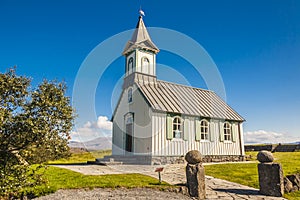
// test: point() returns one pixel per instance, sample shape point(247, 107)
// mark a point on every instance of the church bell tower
point(140, 52)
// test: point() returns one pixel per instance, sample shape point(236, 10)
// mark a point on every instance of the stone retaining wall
point(274, 147)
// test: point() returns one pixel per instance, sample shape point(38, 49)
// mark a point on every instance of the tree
point(35, 126)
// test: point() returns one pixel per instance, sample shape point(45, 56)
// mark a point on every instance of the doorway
point(129, 133)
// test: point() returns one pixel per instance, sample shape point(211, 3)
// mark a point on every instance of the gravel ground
point(113, 194)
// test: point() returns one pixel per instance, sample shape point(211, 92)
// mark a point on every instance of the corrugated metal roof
point(175, 98)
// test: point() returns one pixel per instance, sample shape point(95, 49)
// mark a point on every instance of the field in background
point(81, 156)
point(247, 173)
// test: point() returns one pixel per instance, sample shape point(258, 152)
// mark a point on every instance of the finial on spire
point(141, 12)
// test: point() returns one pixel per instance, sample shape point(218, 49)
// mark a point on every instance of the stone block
point(193, 157)
point(265, 156)
point(195, 175)
point(271, 179)
point(288, 185)
point(295, 179)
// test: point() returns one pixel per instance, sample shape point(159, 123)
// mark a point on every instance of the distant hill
point(100, 143)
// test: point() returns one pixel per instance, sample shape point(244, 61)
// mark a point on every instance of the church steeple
point(140, 39)
point(140, 51)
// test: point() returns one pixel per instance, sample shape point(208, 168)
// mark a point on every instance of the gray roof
point(174, 98)
point(140, 39)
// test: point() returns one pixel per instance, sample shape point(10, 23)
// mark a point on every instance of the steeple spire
point(141, 12)
point(140, 38)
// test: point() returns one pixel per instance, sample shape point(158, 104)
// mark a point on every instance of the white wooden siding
point(177, 147)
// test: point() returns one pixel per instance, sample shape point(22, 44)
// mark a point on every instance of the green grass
point(82, 157)
point(59, 178)
point(243, 173)
point(247, 174)
point(66, 179)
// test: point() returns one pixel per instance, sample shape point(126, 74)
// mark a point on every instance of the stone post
point(195, 174)
point(270, 175)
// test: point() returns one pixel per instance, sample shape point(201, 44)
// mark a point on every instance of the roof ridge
point(188, 86)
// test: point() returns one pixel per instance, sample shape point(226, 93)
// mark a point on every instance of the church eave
point(130, 47)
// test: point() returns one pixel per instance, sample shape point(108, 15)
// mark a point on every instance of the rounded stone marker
point(265, 156)
point(193, 157)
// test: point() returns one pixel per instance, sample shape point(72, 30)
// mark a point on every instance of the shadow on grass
point(239, 191)
point(81, 163)
point(160, 184)
point(181, 184)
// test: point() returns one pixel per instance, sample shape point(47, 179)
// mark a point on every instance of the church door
point(129, 137)
point(129, 133)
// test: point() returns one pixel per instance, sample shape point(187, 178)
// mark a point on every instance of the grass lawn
point(247, 174)
point(59, 178)
point(243, 173)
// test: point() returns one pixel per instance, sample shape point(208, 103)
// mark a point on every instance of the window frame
point(204, 135)
point(144, 65)
point(227, 128)
point(129, 95)
point(179, 127)
point(130, 63)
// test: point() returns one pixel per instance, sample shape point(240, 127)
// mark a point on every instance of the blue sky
point(254, 43)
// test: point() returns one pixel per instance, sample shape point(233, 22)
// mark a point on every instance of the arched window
point(204, 129)
point(129, 118)
point(177, 127)
point(145, 65)
point(130, 65)
point(227, 131)
point(129, 95)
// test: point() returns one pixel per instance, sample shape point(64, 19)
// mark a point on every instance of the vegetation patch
point(59, 178)
point(247, 173)
point(82, 157)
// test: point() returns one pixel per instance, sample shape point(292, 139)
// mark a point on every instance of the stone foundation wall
point(162, 160)
point(223, 158)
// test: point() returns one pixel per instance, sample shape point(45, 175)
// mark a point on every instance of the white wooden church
point(159, 122)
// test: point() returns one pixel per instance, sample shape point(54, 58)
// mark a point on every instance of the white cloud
point(91, 130)
point(262, 136)
point(103, 123)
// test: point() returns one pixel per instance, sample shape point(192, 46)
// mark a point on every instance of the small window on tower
point(145, 65)
point(129, 95)
point(130, 65)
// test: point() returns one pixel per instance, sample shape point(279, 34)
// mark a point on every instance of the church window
point(227, 131)
point(204, 129)
point(145, 65)
point(130, 65)
point(177, 127)
point(129, 95)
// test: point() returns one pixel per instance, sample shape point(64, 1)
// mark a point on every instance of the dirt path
point(120, 193)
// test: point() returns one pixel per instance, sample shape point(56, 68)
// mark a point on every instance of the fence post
point(195, 174)
point(270, 175)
